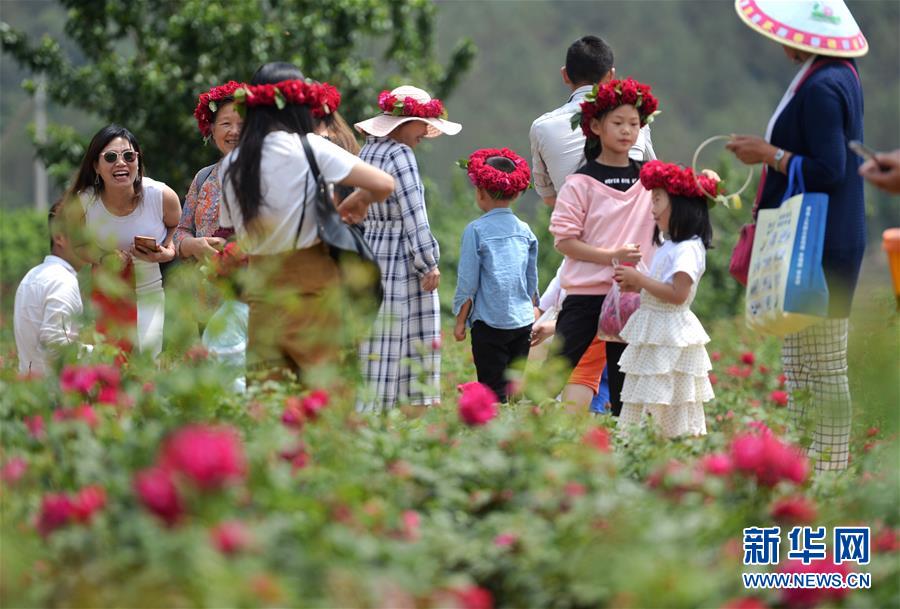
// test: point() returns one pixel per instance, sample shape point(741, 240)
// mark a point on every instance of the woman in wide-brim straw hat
point(821, 111)
point(401, 360)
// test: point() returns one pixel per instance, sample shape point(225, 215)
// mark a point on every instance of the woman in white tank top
point(121, 204)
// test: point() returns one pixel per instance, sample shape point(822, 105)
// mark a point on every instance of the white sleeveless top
point(112, 232)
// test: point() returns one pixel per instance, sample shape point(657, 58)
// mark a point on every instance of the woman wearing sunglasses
point(129, 220)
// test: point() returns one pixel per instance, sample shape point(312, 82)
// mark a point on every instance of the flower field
point(140, 487)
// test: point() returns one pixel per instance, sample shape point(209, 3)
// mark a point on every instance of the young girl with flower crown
point(665, 363)
point(602, 215)
point(497, 284)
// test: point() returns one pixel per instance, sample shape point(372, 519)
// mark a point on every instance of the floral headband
point(680, 181)
point(322, 98)
point(409, 106)
point(611, 95)
point(493, 180)
point(208, 105)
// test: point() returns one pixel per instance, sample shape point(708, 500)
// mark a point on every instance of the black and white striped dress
point(401, 359)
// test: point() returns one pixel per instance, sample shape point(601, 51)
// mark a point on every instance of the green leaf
point(280, 102)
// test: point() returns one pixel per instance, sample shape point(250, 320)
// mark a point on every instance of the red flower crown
point(493, 180)
point(322, 98)
point(611, 95)
point(208, 105)
point(678, 181)
point(409, 106)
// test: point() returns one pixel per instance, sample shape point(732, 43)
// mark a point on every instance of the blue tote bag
point(786, 289)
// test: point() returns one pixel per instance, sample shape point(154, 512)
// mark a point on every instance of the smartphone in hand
point(864, 152)
point(146, 243)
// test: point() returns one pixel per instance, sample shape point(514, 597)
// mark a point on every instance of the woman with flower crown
point(219, 121)
point(401, 360)
point(293, 286)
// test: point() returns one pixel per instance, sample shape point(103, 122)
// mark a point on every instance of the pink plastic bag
point(618, 306)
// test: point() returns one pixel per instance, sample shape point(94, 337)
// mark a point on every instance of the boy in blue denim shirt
point(497, 284)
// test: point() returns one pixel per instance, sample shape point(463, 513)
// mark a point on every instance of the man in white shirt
point(48, 302)
point(558, 150)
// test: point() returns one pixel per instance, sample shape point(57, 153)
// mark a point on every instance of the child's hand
point(431, 280)
point(630, 252)
point(709, 173)
point(628, 278)
point(459, 332)
point(541, 332)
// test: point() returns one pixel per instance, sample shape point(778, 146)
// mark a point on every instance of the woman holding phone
point(819, 114)
point(129, 220)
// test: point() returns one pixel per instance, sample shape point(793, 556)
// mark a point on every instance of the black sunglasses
point(110, 156)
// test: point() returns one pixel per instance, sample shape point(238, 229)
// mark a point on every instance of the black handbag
point(346, 242)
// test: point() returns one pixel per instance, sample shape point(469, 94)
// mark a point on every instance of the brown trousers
point(295, 311)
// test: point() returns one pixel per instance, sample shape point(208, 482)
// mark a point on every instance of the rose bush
point(179, 492)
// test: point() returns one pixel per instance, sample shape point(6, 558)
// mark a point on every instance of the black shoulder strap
point(314, 170)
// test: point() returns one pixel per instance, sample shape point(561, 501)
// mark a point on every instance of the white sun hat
point(405, 104)
point(821, 27)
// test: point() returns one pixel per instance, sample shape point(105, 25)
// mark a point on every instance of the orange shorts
point(590, 366)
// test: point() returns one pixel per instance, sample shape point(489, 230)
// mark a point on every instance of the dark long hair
point(689, 218)
point(87, 177)
point(258, 123)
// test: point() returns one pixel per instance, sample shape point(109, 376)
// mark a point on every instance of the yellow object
point(891, 245)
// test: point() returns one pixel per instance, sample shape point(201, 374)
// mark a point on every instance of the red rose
point(208, 456)
point(717, 464)
point(768, 459)
point(56, 512)
point(793, 510)
point(477, 404)
point(156, 490)
point(748, 358)
point(780, 398)
point(90, 499)
point(806, 598)
point(314, 402)
point(35, 426)
point(78, 379)
point(230, 537)
point(713, 378)
point(297, 456)
point(886, 541)
point(597, 437)
point(474, 597)
point(293, 413)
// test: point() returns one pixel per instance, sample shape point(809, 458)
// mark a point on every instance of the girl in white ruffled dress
point(665, 364)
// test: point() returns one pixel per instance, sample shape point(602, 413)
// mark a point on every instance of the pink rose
point(208, 456)
point(293, 413)
point(505, 540)
point(780, 398)
point(35, 426)
point(410, 524)
point(13, 470)
point(314, 402)
point(56, 512)
point(473, 597)
point(89, 500)
point(717, 464)
point(806, 598)
point(477, 404)
point(230, 537)
point(793, 510)
point(156, 490)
